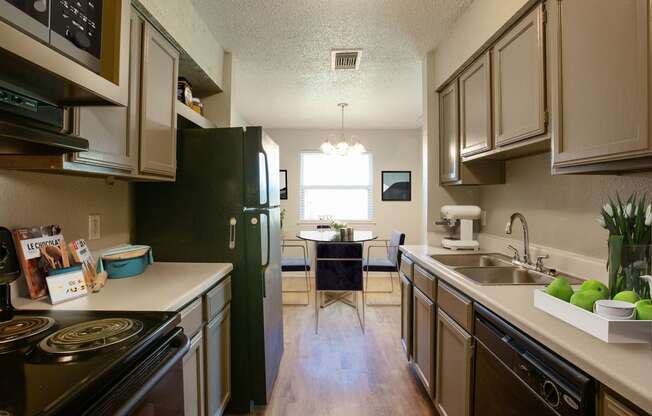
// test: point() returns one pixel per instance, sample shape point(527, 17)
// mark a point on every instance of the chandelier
point(340, 144)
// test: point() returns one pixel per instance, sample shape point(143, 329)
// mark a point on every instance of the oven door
point(154, 388)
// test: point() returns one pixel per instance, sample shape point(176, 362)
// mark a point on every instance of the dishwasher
point(516, 376)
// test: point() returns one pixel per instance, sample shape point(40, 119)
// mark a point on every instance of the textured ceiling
point(283, 79)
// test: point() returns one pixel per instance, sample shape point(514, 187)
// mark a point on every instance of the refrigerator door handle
point(232, 223)
point(267, 254)
point(264, 153)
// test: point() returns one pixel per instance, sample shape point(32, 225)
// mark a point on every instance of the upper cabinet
point(449, 135)
point(600, 85)
point(518, 81)
point(475, 107)
point(158, 124)
point(46, 51)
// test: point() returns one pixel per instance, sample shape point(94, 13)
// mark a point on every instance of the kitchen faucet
point(526, 262)
point(526, 235)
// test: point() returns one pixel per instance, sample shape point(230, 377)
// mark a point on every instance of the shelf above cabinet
point(194, 117)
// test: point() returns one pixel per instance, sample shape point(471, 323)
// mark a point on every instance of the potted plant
point(628, 223)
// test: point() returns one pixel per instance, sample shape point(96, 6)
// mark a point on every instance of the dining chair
point(390, 263)
point(338, 268)
point(297, 264)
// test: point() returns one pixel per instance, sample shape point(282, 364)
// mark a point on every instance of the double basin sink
point(494, 269)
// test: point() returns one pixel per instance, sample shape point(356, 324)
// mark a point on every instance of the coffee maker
point(458, 219)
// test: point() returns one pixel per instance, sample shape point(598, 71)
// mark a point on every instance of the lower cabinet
point(610, 405)
point(454, 379)
point(193, 377)
point(406, 315)
point(423, 348)
point(218, 362)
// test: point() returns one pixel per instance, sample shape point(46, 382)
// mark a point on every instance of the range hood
point(30, 125)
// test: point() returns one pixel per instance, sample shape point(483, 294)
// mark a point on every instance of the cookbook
point(29, 244)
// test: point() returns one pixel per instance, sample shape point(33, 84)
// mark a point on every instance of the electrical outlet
point(94, 226)
point(483, 218)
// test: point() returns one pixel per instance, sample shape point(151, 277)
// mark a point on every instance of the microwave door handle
point(180, 344)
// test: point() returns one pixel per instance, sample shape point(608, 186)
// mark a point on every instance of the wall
point(561, 210)
point(31, 199)
point(391, 149)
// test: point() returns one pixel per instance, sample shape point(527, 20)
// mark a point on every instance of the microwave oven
point(72, 27)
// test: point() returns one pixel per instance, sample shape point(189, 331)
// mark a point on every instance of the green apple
point(560, 288)
point(586, 298)
point(627, 296)
point(597, 286)
point(644, 309)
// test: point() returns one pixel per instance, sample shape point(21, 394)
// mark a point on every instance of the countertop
point(163, 287)
point(625, 368)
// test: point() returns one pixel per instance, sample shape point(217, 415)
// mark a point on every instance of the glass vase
point(626, 263)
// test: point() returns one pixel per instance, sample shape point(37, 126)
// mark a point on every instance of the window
point(336, 186)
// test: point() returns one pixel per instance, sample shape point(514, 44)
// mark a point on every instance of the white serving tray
point(611, 331)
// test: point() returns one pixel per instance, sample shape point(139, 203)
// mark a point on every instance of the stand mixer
point(459, 220)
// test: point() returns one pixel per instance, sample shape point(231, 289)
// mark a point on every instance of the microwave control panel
point(80, 22)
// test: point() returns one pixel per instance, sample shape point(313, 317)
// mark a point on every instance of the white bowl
point(614, 309)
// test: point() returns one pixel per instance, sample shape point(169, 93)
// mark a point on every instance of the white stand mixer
point(465, 214)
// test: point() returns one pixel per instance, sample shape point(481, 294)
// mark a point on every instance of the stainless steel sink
point(508, 276)
point(473, 260)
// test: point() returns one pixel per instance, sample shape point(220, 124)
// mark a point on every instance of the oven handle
point(179, 342)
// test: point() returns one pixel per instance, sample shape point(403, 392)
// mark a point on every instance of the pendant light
point(341, 145)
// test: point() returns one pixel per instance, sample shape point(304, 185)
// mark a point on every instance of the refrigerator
point(225, 207)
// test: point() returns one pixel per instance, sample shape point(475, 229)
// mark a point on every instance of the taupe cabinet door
point(218, 362)
point(112, 132)
point(611, 406)
point(449, 151)
point(475, 107)
point(406, 315)
point(454, 367)
point(518, 81)
point(424, 339)
point(158, 136)
point(599, 80)
point(193, 377)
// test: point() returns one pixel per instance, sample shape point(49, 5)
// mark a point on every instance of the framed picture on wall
point(283, 183)
point(397, 185)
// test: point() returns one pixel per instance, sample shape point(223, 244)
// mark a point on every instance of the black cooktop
point(66, 363)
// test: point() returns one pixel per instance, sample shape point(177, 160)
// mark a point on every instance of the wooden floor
point(341, 371)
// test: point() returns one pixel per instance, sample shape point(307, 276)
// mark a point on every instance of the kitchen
point(471, 117)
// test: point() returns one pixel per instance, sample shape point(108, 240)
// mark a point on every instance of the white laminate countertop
point(163, 287)
point(625, 368)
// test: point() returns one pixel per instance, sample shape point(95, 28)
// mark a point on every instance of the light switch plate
point(94, 226)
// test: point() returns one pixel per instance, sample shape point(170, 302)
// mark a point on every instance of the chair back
point(396, 238)
point(339, 266)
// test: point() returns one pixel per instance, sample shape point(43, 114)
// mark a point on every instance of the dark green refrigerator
point(224, 207)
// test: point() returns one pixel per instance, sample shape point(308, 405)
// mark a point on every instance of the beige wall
point(561, 210)
point(391, 149)
point(30, 199)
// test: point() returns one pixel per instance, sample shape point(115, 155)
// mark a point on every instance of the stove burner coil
point(92, 335)
point(23, 327)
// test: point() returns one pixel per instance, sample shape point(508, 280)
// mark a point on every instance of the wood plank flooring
point(341, 371)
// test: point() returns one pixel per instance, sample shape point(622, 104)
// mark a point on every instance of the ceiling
point(282, 76)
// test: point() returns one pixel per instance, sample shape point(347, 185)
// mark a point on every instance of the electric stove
point(77, 362)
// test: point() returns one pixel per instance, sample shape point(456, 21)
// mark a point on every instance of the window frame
point(369, 188)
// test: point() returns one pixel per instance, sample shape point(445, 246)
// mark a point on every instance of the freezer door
point(262, 189)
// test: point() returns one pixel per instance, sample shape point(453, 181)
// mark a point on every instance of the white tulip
point(608, 210)
point(628, 210)
point(648, 210)
point(601, 222)
point(648, 219)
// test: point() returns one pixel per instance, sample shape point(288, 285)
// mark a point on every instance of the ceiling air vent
point(345, 59)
